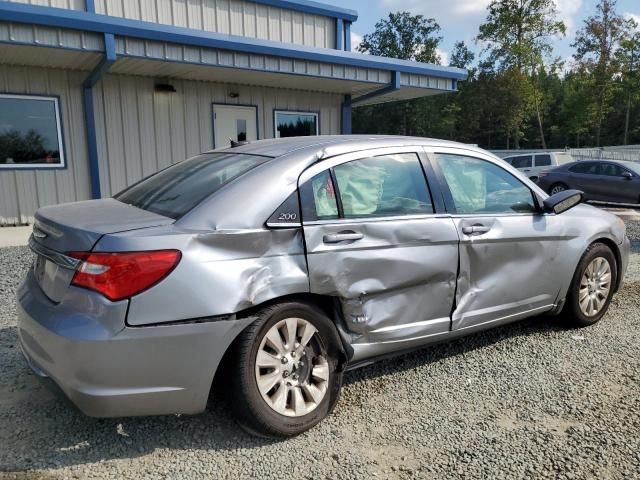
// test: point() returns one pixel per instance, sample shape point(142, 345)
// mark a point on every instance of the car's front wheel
point(286, 377)
point(592, 286)
point(557, 188)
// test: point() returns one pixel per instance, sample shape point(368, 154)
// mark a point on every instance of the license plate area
point(53, 279)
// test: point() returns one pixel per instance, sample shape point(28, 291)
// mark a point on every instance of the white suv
point(532, 164)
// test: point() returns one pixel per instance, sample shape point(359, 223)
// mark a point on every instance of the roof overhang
point(145, 48)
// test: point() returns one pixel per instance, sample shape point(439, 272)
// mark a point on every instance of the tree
point(518, 36)
point(408, 37)
point(628, 57)
point(461, 56)
point(404, 36)
point(596, 43)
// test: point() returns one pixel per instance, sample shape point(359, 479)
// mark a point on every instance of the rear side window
point(386, 185)
point(318, 198)
point(174, 191)
point(521, 162)
point(586, 168)
point(543, 160)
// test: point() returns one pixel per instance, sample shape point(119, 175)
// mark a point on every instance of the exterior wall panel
point(234, 17)
point(141, 131)
point(22, 192)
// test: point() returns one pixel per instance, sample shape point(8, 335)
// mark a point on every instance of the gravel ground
point(528, 400)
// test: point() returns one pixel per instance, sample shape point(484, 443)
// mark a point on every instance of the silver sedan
point(282, 263)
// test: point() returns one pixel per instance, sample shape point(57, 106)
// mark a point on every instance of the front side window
point(522, 162)
point(479, 187)
point(174, 191)
point(30, 132)
point(295, 124)
point(611, 170)
point(386, 185)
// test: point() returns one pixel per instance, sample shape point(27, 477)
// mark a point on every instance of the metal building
point(96, 94)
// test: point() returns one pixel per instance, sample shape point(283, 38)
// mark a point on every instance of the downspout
point(89, 109)
point(394, 86)
point(346, 115)
point(339, 34)
point(347, 36)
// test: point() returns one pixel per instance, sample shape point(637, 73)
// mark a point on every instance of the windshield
point(174, 191)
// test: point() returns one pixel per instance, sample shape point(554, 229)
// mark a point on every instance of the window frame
point(59, 131)
point(433, 188)
point(448, 197)
point(276, 111)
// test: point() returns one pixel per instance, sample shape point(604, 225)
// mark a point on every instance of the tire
point(557, 188)
point(593, 258)
point(261, 410)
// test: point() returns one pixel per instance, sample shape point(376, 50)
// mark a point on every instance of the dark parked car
point(601, 181)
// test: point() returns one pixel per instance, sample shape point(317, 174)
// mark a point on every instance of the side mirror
point(627, 175)
point(563, 201)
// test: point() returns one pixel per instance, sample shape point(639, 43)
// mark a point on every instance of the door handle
point(475, 230)
point(345, 236)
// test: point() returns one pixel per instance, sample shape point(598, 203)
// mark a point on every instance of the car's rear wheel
point(286, 378)
point(592, 286)
point(557, 188)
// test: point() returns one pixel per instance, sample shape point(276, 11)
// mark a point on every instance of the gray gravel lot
point(532, 399)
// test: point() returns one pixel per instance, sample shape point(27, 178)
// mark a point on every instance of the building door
point(232, 122)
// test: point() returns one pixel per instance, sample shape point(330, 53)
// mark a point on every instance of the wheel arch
point(329, 305)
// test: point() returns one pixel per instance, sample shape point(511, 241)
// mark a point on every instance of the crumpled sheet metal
point(401, 272)
point(221, 273)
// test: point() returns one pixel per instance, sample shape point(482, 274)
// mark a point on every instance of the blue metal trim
point(346, 128)
point(394, 86)
point(89, 111)
point(90, 6)
point(339, 34)
point(78, 20)
point(347, 36)
point(309, 6)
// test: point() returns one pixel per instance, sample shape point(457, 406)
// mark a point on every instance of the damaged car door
point(510, 252)
point(375, 241)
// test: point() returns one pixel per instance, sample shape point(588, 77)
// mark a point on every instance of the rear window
point(563, 158)
point(174, 191)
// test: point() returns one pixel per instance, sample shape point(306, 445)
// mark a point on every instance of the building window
point(30, 132)
point(295, 124)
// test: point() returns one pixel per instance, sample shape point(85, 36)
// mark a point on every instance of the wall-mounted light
point(234, 94)
point(164, 88)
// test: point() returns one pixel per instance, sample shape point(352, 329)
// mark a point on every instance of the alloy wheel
point(595, 285)
point(291, 368)
point(557, 189)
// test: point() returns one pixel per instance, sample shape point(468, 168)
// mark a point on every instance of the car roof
point(335, 144)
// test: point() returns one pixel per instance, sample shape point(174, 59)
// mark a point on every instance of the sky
point(459, 19)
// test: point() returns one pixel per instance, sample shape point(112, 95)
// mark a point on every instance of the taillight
point(123, 275)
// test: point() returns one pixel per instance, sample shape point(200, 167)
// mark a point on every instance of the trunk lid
point(77, 227)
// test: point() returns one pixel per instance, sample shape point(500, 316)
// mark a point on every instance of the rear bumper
point(108, 370)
